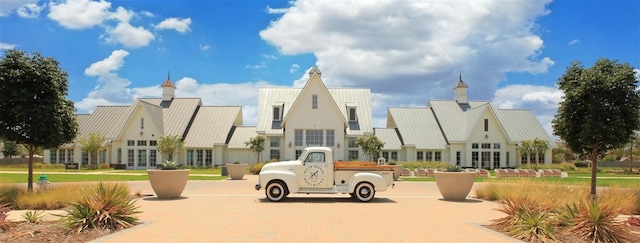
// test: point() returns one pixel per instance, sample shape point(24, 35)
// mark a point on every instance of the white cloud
point(205, 47)
point(294, 68)
point(112, 63)
point(272, 57)
point(29, 11)
point(122, 15)
point(147, 14)
point(541, 100)
point(7, 46)
point(260, 65)
point(574, 42)
point(180, 25)
point(414, 49)
point(7, 6)
point(128, 35)
point(275, 10)
point(79, 14)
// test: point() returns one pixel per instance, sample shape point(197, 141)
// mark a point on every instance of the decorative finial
point(169, 75)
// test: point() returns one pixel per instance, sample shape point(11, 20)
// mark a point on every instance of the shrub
point(526, 219)
point(56, 197)
point(453, 168)
point(595, 222)
point(105, 165)
point(170, 165)
point(33, 217)
point(256, 168)
point(5, 208)
point(110, 206)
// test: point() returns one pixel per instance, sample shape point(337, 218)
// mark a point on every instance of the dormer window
point(277, 112)
point(352, 115)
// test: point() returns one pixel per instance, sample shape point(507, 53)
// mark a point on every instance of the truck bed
point(361, 166)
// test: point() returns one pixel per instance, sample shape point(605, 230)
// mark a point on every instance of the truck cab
point(316, 172)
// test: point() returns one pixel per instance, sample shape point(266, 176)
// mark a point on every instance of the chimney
point(168, 89)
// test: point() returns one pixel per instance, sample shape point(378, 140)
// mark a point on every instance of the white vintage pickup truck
point(315, 172)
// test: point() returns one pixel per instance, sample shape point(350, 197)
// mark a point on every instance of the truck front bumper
point(258, 187)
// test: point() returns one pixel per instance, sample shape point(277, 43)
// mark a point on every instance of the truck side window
point(315, 157)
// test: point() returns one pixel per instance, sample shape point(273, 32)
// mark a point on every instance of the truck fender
point(378, 182)
point(288, 177)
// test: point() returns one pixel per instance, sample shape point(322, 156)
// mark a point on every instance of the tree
point(256, 144)
point(10, 149)
point(34, 110)
point(370, 145)
point(92, 144)
point(168, 145)
point(600, 110)
point(526, 149)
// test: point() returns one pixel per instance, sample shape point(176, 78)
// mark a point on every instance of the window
point(63, 157)
point(275, 154)
point(200, 157)
point(486, 146)
point(298, 138)
point(486, 159)
point(486, 125)
point(315, 157)
point(474, 146)
point(331, 134)
point(352, 115)
point(385, 154)
point(119, 156)
point(153, 143)
point(496, 146)
point(314, 102)
point(394, 156)
point(438, 156)
point(419, 156)
point(141, 123)
point(458, 158)
point(508, 159)
point(142, 142)
point(274, 142)
point(428, 156)
point(298, 153)
point(131, 143)
point(153, 158)
point(85, 158)
point(314, 137)
point(353, 155)
point(190, 157)
point(53, 155)
point(142, 157)
point(352, 143)
point(496, 159)
point(208, 157)
point(130, 157)
point(474, 159)
point(70, 155)
point(276, 113)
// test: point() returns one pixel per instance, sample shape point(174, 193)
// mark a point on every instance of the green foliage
point(34, 110)
point(600, 110)
point(33, 217)
point(237, 162)
point(168, 145)
point(453, 168)
point(10, 149)
point(170, 165)
point(411, 165)
point(92, 144)
point(256, 168)
point(256, 144)
point(391, 162)
point(526, 219)
point(110, 206)
point(595, 222)
point(5, 208)
point(370, 145)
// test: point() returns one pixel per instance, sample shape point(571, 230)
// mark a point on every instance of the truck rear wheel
point(364, 192)
point(275, 191)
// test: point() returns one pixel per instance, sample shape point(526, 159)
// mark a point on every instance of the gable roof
point(418, 127)
point(212, 125)
point(521, 125)
point(105, 120)
point(390, 138)
point(240, 135)
point(452, 117)
point(176, 113)
point(314, 79)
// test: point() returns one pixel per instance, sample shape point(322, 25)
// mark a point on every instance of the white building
point(467, 133)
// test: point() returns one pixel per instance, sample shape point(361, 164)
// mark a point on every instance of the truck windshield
point(303, 155)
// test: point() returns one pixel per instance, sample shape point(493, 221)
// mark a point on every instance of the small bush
point(256, 168)
point(105, 165)
point(526, 219)
point(56, 197)
point(170, 165)
point(595, 222)
point(5, 208)
point(110, 206)
point(33, 217)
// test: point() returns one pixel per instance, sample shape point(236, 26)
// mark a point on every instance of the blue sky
point(406, 52)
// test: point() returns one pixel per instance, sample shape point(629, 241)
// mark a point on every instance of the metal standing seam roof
point(389, 137)
point(240, 135)
point(418, 127)
point(472, 117)
point(521, 125)
point(452, 118)
point(287, 96)
point(155, 113)
point(105, 120)
point(212, 125)
point(176, 114)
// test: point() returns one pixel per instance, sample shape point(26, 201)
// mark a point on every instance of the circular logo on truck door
point(314, 175)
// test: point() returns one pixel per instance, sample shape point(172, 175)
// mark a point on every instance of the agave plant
point(526, 219)
point(170, 165)
point(33, 217)
point(453, 168)
point(110, 207)
point(595, 222)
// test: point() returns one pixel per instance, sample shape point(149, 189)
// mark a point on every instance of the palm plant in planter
point(454, 184)
point(237, 170)
point(168, 181)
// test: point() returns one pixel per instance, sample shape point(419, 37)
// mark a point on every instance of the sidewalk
point(232, 211)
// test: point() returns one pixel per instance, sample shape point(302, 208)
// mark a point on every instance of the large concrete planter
point(236, 171)
point(454, 186)
point(397, 171)
point(168, 184)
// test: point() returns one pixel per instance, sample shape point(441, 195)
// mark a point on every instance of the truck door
point(315, 171)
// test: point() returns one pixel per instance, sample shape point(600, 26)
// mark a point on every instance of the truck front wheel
point(364, 192)
point(275, 191)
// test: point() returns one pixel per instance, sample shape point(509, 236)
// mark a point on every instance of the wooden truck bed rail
point(361, 165)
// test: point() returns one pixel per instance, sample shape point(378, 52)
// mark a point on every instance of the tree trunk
point(30, 180)
point(594, 165)
point(631, 162)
